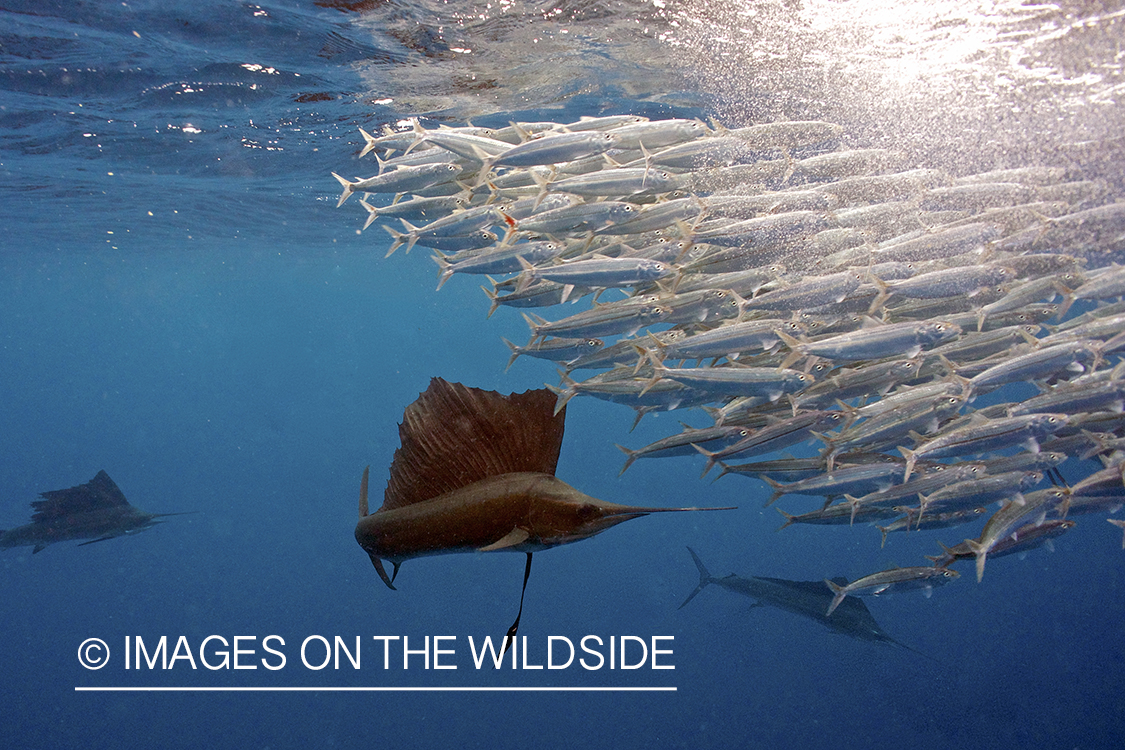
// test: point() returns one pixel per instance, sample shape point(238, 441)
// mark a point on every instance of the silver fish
point(605, 320)
point(874, 342)
point(932, 521)
point(778, 435)
point(1011, 517)
point(551, 148)
point(890, 582)
point(554, 350)
point(603, 272)
point(402, 180)
point(684, 443)
point(1038, 364)
point(583, 217)
point(985, 436)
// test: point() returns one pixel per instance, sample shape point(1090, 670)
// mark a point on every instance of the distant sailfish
point(805, 598)
point(476, 473)
point(96, 511)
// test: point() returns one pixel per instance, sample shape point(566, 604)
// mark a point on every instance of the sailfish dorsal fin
point(100, 493)
point(454, 435)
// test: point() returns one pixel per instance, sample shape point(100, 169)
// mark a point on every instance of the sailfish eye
point(587, 512)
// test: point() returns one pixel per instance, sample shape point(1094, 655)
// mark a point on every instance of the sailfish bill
point(476, 473)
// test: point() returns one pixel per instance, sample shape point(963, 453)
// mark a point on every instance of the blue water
point(182, 306)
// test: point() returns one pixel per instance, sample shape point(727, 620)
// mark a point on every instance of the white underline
point(331, 689)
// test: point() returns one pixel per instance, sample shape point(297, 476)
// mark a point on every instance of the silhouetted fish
point(96, 511)
point(806, 598)
point(476, 473)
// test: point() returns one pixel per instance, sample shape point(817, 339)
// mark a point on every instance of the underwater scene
point(797, 326)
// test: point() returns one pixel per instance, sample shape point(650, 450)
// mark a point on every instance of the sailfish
point(475, 472)
point(96, 510)
point(806, 598)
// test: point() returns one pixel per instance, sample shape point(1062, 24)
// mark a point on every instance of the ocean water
point(182, 306)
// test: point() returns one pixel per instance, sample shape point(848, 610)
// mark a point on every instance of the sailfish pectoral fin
point(510, 636)
point(513, 538)
point(378, 563)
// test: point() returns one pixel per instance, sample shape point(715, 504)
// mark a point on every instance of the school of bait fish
point(800, 293)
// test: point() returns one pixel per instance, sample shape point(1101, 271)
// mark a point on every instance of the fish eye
point(586, 512)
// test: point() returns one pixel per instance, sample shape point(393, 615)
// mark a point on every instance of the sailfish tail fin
point(704, 577)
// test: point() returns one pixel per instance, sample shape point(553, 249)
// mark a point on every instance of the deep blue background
point(189, 312)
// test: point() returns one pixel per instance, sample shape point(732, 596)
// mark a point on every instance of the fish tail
point(923, 501)
point(641, 412)
point(526, 276)
point(565, 392)
point(711, 460)
point(715, 413)
point(370, 141)
point(445, 273)
point(789, 519)
point(544, 184)
point(419, 136)
point(777, 487)
point(535, 323)
point(726, 470)
point(347, 189)
point(881, 297)
point(981, 552)
point(494, 298)
point(412, 233)
point(399, 238)
point(382, 162)
point(515, 353)
point(943, 561)
point(486, 163)
point(909, 456)
point(372, 213)
point(839, 591)
point(1068, 300)
point(631, 456)
point(704, 578)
